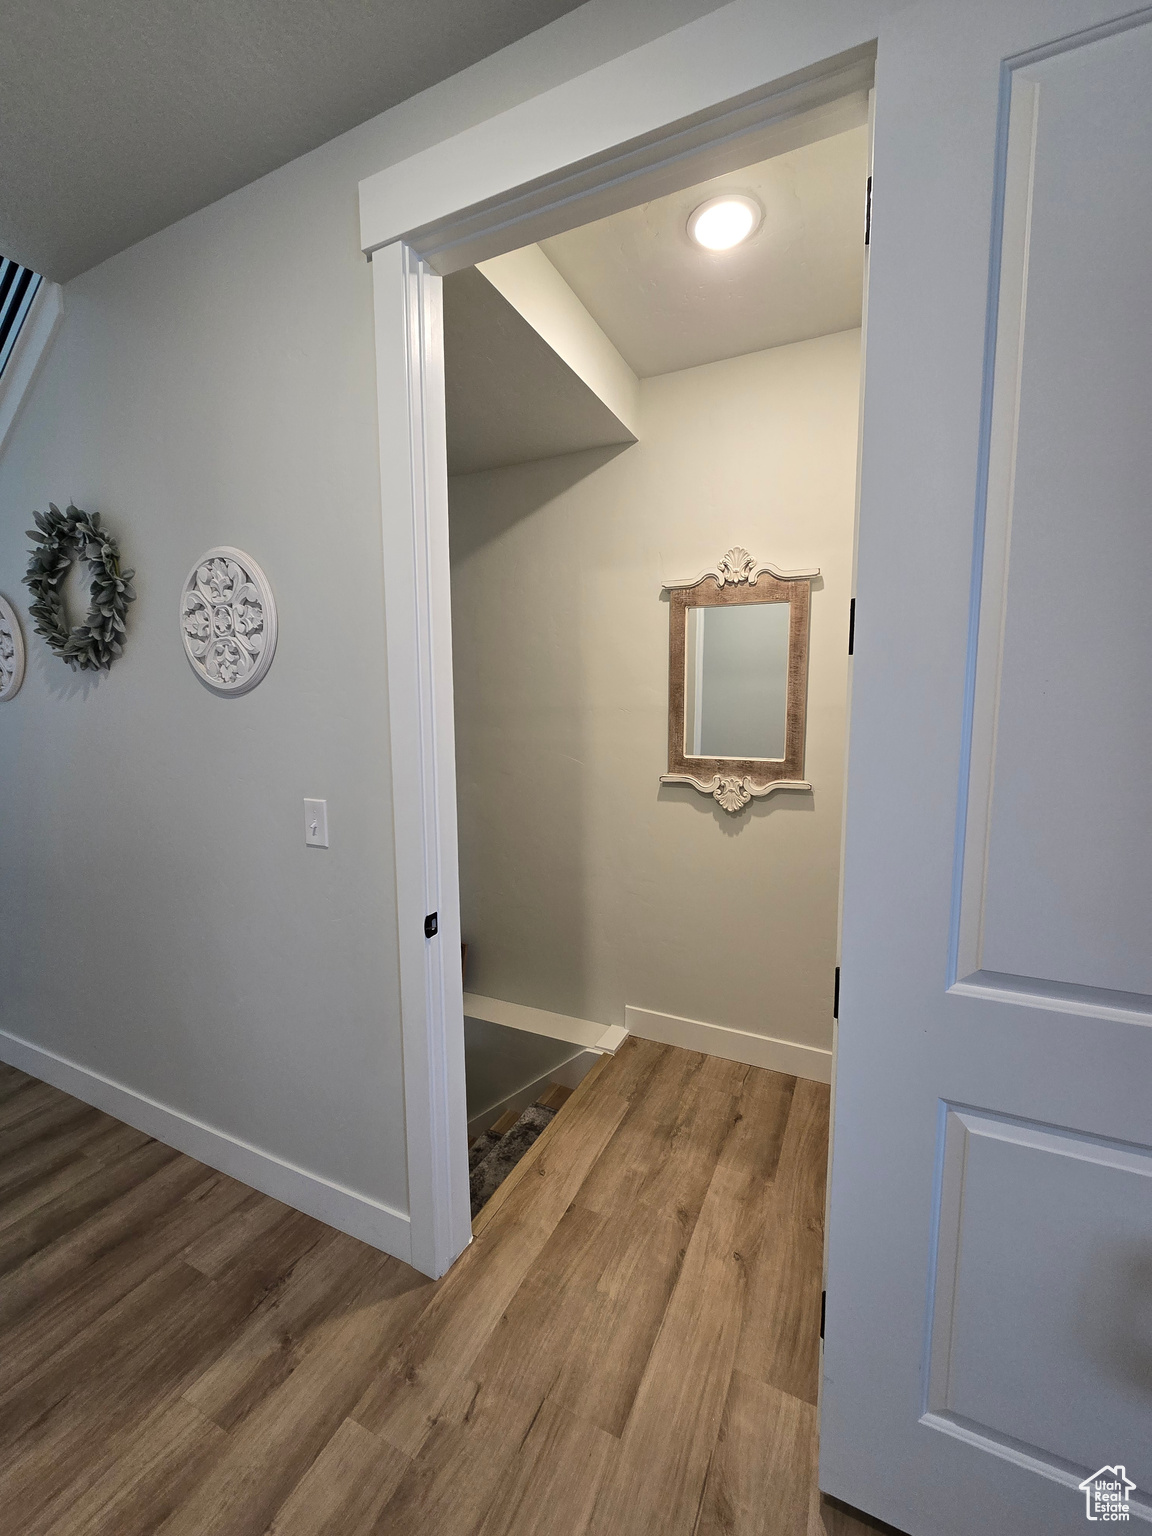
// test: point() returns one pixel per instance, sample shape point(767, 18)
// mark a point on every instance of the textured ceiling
point(667, 304)
point(119, 117)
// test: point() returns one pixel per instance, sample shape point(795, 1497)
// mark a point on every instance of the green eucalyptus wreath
point(61, 538)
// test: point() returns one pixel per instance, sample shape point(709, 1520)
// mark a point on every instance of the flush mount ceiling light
point(724, 221)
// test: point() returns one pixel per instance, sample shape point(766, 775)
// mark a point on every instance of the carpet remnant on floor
point(492, 1157)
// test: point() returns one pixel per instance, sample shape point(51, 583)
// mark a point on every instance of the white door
point(989, 1309)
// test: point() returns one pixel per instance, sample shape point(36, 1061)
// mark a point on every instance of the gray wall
point(585, 884)
point(161, 922)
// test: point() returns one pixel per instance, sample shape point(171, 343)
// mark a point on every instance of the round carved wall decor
point(228, 621)
point(11, 652)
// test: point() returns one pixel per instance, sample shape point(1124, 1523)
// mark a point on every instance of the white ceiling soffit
point(510, 398)
point(118, 119)
point(532, 285)
point(667, 304)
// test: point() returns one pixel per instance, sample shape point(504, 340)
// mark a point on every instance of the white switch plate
point(316, 823)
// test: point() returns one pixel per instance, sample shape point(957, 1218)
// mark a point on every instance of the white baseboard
point(732, 1044)
point(359, 1215)
point(538, 1021)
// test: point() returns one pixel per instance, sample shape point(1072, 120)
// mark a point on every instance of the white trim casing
point(346, 1209)
point(602, 1038)
point(652, 121)
point(418, 622)
point(40, 326)
point(669, 112)
point(732, 1044)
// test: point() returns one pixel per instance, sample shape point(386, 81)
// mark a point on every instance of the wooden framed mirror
point(738, 680)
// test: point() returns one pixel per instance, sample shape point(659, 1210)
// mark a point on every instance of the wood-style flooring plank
point(581, 1326)
point(761, 1470)
point(831, 1518)
point(67, 1258)
point(344, 1490)
point(627, 1346)
point(84, 1133)
point(244, 1224)
point(31, 1097)
point(11, 1081)
point(627, 1072)
point(58, 1217)
point(655, 1484)
point(534, 1334)
point(672, 1136)
point(583, 1321)
point(667, 1143)
point(780, 1334)
point(284, 1328)
point(599, 1374)
point(57, 1421)
point(463, 1460)
point(137, 1481)
point(54, 1294)
point(279, 1438)
point(550, 1484)
point(99, 1145)
point(437, 1356)
point(36, 1115)
point(88, 1399)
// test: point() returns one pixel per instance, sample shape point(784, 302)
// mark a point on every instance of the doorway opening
point(627, 408)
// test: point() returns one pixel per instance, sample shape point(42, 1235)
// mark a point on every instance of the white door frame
point(628, 131)
point(418, 629)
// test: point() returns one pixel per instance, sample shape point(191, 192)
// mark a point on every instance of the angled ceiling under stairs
point(545, 347)
point(511, 397)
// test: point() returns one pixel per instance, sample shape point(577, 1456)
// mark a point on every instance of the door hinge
point(868, 214)
point(823, 1310)
point(836, 995)
point(852, 627)
point(432, 925)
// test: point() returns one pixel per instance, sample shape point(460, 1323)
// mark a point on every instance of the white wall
point(162, 923)
point(586, 885)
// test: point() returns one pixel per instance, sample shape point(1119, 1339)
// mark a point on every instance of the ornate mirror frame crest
point(734, 781)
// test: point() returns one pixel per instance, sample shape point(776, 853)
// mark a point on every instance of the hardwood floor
point(630, 1345)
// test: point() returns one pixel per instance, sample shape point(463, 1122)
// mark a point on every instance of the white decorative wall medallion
point(228, 620)
point(11, 652)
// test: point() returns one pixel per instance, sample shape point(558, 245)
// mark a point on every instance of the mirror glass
point(736, 680)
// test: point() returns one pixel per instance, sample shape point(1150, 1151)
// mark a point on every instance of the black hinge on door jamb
point(823, 1310)
point(836, 995)
point(432, 925)
point(852, 627)
point(868, 214)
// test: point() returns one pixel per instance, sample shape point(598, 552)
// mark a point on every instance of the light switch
point(316, 823)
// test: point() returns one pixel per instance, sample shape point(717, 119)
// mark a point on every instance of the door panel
point(1042, 1343)
point(1068, 880)
point(989, 1272)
